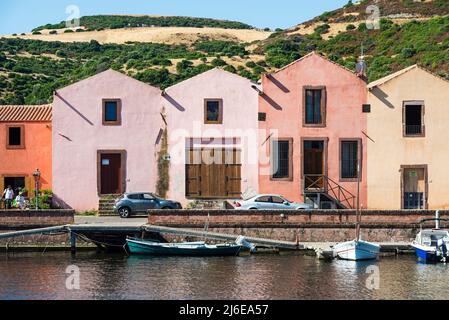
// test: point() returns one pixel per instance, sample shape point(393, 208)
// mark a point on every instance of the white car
point(270, 202)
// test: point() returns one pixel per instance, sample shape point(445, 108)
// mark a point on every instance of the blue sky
point(18, 16)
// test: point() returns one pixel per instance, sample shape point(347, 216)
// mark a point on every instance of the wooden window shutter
point(29, 185)
point(234, 174)
point(323, 105)
point(193, 173)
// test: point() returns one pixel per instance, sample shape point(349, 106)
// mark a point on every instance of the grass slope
point(101, 22)
point(30, 70)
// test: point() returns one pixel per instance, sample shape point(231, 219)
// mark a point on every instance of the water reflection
point(36, 276)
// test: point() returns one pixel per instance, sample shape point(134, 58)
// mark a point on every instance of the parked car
point(139, 202)
point(270, 202)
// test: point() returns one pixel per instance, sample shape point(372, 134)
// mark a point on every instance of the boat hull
point(357, 250)
point(427, 254)
point(155, 249)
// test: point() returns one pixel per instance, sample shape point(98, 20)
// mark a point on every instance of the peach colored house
point(408, 147)
point(313, 133)
point(213, 137)
point(106, 132)
point(25, 137)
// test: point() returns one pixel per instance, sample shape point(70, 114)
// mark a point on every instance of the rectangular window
point(15, 137)
point(413, 119)
point(112, 112)
point(366, 108)
point(314, 106)
point(213, 111)
point(349, 159)
point(262, 116)
point(282, 159)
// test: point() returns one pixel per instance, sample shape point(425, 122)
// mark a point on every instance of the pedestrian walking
point(8, 194)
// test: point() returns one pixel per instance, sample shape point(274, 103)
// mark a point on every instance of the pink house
point(213, 137)
point(106, 132)
point(313, 133)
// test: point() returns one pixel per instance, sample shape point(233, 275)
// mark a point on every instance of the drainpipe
point(437, 221)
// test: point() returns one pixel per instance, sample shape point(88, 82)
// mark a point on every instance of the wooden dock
point(224, 237)
point(21, 233)
point(114, 234)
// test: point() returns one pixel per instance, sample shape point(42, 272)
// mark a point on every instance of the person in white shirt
point(20, 201)
point(8, 194)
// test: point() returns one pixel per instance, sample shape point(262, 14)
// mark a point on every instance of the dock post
point(72, 243)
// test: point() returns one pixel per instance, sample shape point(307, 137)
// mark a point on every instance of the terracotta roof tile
point(41, 113)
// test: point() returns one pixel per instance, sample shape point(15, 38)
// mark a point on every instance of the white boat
point(431, 245)
point(356, 250)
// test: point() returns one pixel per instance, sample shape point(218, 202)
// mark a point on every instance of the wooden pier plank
point(223, 236)
point(21, 233)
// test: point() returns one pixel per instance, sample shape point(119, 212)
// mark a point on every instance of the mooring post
point(72, 243)
point(437, 219)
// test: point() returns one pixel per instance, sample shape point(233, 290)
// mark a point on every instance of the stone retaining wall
point(29, 219)
point(14, 220)
point(279, 218)
point(303, 226)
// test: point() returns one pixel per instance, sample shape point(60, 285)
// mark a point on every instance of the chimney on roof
point(361, 67)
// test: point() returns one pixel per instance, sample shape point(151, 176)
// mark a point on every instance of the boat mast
point(206, 226)
point(359, 157)
point(358, 213)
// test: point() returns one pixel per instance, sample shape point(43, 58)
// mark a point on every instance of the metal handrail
point(433, 219)
point(330, 187)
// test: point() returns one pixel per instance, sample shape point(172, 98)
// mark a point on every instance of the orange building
point(25, 145)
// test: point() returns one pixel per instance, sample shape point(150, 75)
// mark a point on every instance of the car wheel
point(253, 209)
point(166, 208)
point(124, 212)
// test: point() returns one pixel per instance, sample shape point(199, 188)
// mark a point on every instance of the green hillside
point(387, 50)
point(31, 70)
point(387, 8)
point(118, 22)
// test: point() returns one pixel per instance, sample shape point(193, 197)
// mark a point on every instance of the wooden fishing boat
point(144, 247)
point(357, 249)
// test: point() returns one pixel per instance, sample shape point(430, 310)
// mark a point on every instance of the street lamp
point(37, 177)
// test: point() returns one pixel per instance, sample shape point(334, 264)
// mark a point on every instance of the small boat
point(145, 247)
point(357, 250)
point(431, 245)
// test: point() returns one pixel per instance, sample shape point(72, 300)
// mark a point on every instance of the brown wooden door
point(111, 174)
point(213, 173)
point(314, 164)
point(233, 173)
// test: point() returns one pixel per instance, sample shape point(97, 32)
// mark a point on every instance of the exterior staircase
point(325, 193)
point(105, 205)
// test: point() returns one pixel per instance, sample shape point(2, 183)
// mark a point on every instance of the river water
point(116, 276)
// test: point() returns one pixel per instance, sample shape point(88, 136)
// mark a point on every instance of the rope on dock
point(85, 238)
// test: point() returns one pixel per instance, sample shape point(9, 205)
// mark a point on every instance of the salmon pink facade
point(106, 134)
point(212, 137)
point(313, 133)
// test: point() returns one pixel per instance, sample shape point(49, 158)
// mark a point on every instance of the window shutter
point(234, 175)
point(29, 185)
point(2, 185)
point(193, 173)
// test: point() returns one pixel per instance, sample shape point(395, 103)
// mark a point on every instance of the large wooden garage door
point(213, 173)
